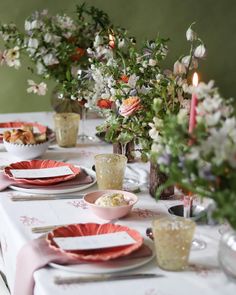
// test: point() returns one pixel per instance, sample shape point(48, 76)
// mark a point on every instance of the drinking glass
point(173, 239)
point(110, 169)
point(66, 128)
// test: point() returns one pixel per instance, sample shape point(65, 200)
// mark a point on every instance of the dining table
point(17, 219)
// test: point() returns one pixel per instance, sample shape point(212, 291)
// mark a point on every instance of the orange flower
point(124, 78)
point(130, 106)
point(104, 103)
point(79, 52)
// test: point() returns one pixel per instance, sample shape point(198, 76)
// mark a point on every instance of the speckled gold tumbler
point(110, 169)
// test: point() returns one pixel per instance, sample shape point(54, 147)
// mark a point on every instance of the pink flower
point(130, 106)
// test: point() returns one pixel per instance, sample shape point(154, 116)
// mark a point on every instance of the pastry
point(24, 136)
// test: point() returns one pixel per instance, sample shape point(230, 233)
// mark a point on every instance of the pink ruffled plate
point(87, 229)
point(37, 164)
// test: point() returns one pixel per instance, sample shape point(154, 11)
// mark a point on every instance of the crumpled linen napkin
point(37, 254)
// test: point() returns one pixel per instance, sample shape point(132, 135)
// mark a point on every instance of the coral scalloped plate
point(37, 164)
point(86, 229)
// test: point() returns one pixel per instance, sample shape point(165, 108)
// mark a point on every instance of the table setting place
point(138, 196)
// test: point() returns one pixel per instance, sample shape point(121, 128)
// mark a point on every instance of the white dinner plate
point(51, 190)
point(110, 266)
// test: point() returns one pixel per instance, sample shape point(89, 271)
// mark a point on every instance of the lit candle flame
point(195, 79)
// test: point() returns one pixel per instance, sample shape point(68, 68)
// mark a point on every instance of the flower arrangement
point(57, 46)
point(123, 76)
point(129, 81)
point(170, 92)
point(203, 162)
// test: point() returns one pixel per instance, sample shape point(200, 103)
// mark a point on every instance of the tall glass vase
point(83, 136)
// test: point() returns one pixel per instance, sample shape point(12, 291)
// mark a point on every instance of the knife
point(44, 197)
point(58, 280)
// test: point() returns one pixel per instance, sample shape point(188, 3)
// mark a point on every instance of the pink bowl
point(110, 213)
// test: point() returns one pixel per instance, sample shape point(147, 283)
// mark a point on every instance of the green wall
point(216, 24)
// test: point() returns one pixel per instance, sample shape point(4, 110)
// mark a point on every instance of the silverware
point(44, 229)
point(44, 197)
point(58, 280)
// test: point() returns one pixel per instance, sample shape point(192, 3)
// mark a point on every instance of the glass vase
point(126, 149)
point(227, 254)
point(83, 136)
point(158, 178)
point(62, 104)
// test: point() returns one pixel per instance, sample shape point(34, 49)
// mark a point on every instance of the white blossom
point(33, 43)
point(40, 68)
point(156, 148)
point(154, 134)
point(12, 57)
point(27, 25)
point(182, 116)
point(39, 89)
point(191, 35)
point(48, 37)
point(98, 41)
point(179, 68)
point(152, 62)
point(132, 81)
point(121, 43)
point(213, 119)
point(50, 59)
point(200, 51)
point(202, 90)
point(65, 22)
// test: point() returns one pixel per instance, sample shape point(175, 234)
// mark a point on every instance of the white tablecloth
point(17, 219)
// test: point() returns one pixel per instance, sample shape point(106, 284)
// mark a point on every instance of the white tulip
point(191, 35)
point(179, 68)
point(200, 51)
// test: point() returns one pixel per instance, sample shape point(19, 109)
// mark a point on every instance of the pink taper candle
point(193, 113)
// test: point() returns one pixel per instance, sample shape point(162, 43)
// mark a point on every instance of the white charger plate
point(50, 190)
point(110, 266)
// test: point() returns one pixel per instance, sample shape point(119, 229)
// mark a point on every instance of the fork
point(45, 229)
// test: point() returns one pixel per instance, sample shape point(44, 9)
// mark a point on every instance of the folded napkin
point(37, 254)
point(81, 178)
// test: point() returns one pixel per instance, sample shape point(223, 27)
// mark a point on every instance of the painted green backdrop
point(216, 24)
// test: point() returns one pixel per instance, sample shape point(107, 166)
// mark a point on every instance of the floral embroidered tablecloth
point(17, 218)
